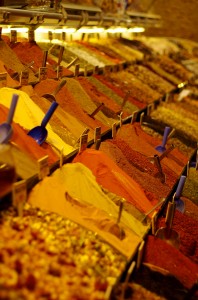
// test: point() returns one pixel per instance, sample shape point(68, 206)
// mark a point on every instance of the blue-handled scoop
point(162, 148)
point(39, 133)
point(180, 205)
point(6, 128)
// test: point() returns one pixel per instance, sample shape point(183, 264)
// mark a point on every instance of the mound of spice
point(111, 177)
point(73, 262)
point(163, 255)
point(187, 228)
point(67, 101)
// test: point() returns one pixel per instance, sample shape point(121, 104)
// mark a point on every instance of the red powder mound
point(163, 255)
point(28, 52)
point(67, 102)
point(26, 143)
point(111, 177)
point(145, 144)
point(187, 228)
point(120, 92)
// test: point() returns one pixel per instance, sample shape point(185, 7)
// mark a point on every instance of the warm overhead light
point(116, 30)
point(136, 29)
point(22, 29)
point(91, 30)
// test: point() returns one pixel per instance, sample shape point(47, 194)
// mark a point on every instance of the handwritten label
point(134, 117)
point(3, 79)
point(13, 38)
point(97, 134)
point(19, 195)
point(83, 142)
point(31, 36)
point(114, 130)
point(77, 68)
point(59, 71)
point(42, 73)
point(24, 78)
point(43, 167)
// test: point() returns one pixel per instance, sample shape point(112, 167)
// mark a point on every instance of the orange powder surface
point(99, 97)
point(25, 142)
point(111, 177)
point(67, 102)
point(28, 52)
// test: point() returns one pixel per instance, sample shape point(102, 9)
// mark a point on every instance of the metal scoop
point(162, 148)
point(39, 133)
point(168, 234)
point(6, 128)
point(51, 97)
point(180, 205)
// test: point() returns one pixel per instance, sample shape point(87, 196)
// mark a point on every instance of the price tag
point(31, 36)
point(97, 134)
point(83, 142)
point(19, 196)
point(114, 130)
point(120, 116)
point(141, 118)
point(184, 93)
point(43, 167)
point(42, 73)
point(140, 254)
point(50, 35)
point(59, 71)
point(134, 117)
point(24, 78)
point(85, 71)
point(3, 79)
point(13, 38)
point(77, 68)
point(150, 108)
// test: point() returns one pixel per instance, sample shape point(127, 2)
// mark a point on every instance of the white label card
point(43, 167)
point(83, 142)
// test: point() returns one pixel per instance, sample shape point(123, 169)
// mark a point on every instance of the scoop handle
point(15, 98)
point(60, 55)
point(180, 186)
point(165, 136)
point(59, 87)
point(49, 113)
point(45, 54)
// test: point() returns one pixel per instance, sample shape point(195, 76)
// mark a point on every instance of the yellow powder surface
point(92, 208)
point(29, 115)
